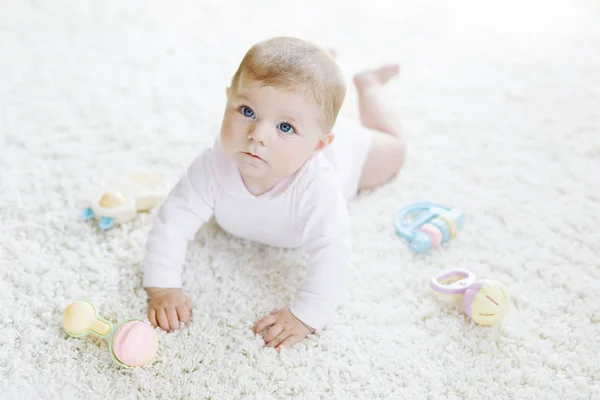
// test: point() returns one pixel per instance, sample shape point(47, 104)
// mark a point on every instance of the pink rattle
point(132, 343)
point(485, 301)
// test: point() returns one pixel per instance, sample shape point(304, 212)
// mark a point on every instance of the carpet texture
point(500, 103)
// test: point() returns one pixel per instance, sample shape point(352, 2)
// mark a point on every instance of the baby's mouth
point(252, 155)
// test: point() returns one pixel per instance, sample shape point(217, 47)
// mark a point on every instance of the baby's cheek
point(292, 160)
point(228, 128)
point(289, 166)
point(226, 133)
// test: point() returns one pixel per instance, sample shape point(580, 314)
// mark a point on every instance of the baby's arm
point(323, 217)
point(327, 243)
point(185, 209)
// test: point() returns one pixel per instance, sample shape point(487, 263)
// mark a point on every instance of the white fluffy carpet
point(501, 105)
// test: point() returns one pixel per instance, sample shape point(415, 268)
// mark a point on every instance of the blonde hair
point(294, 64)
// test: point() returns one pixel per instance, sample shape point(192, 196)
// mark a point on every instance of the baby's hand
point(168, 306)
point(285, 330)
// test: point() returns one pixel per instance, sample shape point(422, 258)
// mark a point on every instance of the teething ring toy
point(427, 225)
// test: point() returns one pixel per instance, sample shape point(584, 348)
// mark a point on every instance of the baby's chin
point(255, 169)
point(264, 171)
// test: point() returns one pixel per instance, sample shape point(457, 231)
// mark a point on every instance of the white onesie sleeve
point(324, 222)
point(185, 209)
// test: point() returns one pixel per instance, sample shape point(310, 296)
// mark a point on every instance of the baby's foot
point(378, 76)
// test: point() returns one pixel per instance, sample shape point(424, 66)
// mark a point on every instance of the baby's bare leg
point(388, 149)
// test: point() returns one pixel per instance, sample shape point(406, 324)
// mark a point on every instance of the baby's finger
point(273, 332)
point(161, 317)
point(263, 323)
point(184, 313)
point(280, 338)
point(152, 316)
point(188, 303)
point(173, 319)
point(289, 342)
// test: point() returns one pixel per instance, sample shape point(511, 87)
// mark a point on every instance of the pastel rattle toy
point(132, 343)
point(129, 195)
point(427, 225)
point(485, 301)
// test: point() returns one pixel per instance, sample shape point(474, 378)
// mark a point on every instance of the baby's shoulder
point(215, 165)
point(320, 181)
point(321, 203)
point(202, 163)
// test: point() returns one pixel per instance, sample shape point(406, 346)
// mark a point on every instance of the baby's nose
point(259, 132)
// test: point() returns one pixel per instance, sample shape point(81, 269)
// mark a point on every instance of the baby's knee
point(398, 151)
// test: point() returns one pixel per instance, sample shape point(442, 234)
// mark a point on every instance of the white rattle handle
point(453, 282)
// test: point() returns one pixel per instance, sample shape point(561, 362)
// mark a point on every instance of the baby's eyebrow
point(290, 119)
point(242, 96)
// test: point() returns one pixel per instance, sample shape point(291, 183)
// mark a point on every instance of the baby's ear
point(324, 142)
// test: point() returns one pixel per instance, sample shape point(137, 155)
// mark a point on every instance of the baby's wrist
point(151, 291)
point(310, 329)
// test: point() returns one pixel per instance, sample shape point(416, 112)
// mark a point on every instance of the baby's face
point(270, 132)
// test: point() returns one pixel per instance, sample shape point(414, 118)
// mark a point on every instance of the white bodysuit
point(307, 209)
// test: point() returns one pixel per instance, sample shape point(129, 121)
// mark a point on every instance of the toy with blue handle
point(427, 225)
point(129, 195)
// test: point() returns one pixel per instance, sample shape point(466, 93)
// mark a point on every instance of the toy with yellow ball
point(132, 343)
point(485, 301)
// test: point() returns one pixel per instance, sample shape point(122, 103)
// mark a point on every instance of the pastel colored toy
point(132, 343)
point(129, 195)
point(427, 225)
point(485, 301)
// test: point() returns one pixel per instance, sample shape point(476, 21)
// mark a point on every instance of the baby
point(280, 173)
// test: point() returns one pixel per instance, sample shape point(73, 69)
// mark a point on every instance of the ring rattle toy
point(427, 225)
point(129, 195)
point(485, 301)
point(132, 343)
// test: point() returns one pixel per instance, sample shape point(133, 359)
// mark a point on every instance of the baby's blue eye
point(247, 111)
point(285, 127)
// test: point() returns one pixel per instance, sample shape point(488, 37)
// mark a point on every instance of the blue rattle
point(427, 225)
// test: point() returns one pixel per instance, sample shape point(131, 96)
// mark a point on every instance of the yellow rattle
point(131, 343)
